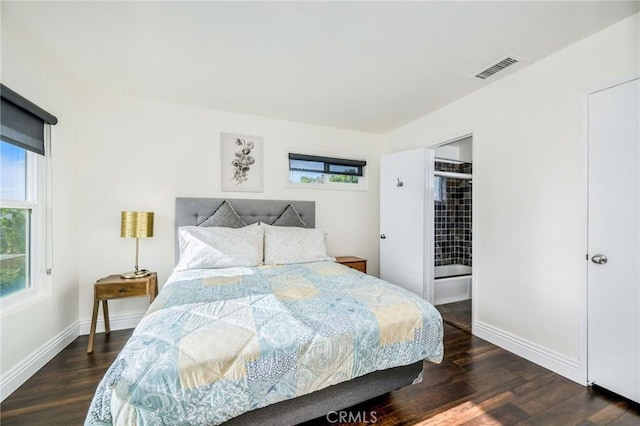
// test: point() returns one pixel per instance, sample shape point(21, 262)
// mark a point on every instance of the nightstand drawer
point(114, 291)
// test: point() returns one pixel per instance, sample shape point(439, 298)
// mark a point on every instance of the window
point(16, 212)
point(326, 172)
point(23, 235)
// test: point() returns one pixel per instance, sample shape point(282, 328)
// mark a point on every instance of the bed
point(284, 339)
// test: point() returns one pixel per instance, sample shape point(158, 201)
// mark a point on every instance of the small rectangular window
point(330, 172)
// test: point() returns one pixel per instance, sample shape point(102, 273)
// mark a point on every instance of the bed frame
point(191, 212)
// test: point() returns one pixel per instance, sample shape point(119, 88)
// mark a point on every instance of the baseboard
point(13, 378)
point(118, 322)
point(453, 299)
point(560, 364)
point(21, 372)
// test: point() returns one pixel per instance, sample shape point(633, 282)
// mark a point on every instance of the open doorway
point(451, 255)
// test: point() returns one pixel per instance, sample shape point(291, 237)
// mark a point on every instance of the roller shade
point(22, 122)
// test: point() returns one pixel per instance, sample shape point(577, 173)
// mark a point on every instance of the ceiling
point(365, 66)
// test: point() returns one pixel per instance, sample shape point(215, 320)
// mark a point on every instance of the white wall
point(461, 150)
point(140, 155)
point(528, 250)
point(30, 329)
point(448, 152)
point(466, 150)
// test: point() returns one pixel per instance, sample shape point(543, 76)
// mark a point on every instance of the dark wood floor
point(477, 384)
point(60, 393)
point(458, 314)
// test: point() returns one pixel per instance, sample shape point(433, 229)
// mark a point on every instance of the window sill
point(16, 302)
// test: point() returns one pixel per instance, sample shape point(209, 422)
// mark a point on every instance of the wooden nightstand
point(114, 287)
point(353, 262)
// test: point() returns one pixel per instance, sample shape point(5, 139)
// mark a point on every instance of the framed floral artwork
point(242, 163)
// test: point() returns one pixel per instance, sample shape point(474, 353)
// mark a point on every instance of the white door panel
point(614, 231)
point(402, 192)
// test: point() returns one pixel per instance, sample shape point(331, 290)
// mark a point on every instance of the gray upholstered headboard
point(192, 211)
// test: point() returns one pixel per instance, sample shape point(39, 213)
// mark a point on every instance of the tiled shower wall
point(453, 217)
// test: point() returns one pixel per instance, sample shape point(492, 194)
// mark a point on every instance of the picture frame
point(242, 165)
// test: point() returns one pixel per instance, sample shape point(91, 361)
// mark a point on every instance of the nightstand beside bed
point(354, 262)
point(115, 287)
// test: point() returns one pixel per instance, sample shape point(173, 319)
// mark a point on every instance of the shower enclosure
point(452, 233)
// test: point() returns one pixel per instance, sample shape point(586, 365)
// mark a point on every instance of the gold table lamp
point(136, 225)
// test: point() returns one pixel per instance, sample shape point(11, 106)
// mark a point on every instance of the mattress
point(218, 343)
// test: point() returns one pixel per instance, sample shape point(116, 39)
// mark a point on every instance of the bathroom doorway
point(452, 181)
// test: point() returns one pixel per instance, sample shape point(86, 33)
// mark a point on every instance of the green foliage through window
point(309, 179)
point(343, 178)
point(14, 256)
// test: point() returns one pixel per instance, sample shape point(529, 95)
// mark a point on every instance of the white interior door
point(614, 240)
point(402, 220)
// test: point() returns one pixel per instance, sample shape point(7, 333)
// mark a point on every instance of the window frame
point(363, 180)
point(20, 126)
point(35, 182)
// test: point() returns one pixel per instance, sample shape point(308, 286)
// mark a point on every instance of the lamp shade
point(136, 224)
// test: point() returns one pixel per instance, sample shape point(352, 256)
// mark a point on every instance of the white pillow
point(286, 244)
point(218, 247)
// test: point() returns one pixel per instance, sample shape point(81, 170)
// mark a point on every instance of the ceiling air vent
point(497, 67)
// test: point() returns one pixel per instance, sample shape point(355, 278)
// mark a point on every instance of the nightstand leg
point(105, 312)
point(153, 288)
point(92, 332)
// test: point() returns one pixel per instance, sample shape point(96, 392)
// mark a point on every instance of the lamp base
point(135, 274)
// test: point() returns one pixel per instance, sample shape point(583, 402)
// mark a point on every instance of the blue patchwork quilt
point(218, 343)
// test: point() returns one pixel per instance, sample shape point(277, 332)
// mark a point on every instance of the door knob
point(382, 236)
point(600, 259)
